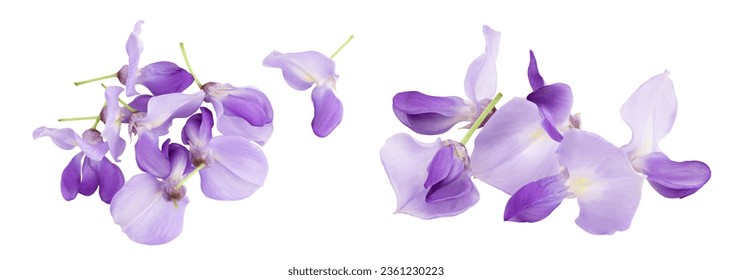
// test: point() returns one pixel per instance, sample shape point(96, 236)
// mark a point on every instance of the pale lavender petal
point(536, 200)
point(513, 149)
point(607, 188)
point(134, 49)
point(150, 158)
point(328, 111)
point(197, 130)
point(143, 214)
point(94, 150)
point(89, 177)
point(162, 109)
point(236, 169)
point(535, 78)
point(555, 101)
point(303, 69)
point(650, 112)
point(111, 179)
point(71, 178)
point(180, 162)
point(234, 126)
point(430, 115)
point(673, 179)
point(164, 77)
point(112, 122)
point(481, 79)
point(64, 138)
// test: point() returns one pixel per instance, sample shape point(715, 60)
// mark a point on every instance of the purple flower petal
point(406, 163)
point(197, 130)
point(607, 188)
point(536, 200)
point(140, 102)
point(673, 179)
point(236, 168)
point(513, 149)
point(180, 162)
point(535, 78)
point(164, 77)
point(328, 111)
point(303, 69)
point(134, 49)
point(234, 126)
point(481, 79)
point(113, 122)
point(430, 115)
point(451, 190)
point(71, 178)
point(89, 177)
point(255, 125)
point(162, 109)
point(440, 166)
point(64, 138)
point(650, 112)
point(111, 179)
point(250, 105)
point(150, 158)
point(555, 101)
point(144, 215)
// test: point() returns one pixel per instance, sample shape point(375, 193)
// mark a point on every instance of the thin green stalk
point(341, 47)
point(482, 117)
point(198, 168)
point(188, 64)
point(96, 79)
point(79, 119)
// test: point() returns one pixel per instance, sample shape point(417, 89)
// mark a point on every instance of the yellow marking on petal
point(539, 135)
point(579, 185)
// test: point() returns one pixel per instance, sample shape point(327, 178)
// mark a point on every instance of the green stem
point(96, 79)
point(188, 64)
point(198, 168)
point(482, 117)
point(79, 119)
point(341, 47)
point(95, 124)
point(126, 105)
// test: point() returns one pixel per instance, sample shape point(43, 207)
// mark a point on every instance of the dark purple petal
point(197, 130)
point(164, 77)
point(180, 162)
point(140, 102)
point(150, 158)
point(301, 70)
point(554, 99)
point(111, 179)
point(440, 166)
point(134, 49)
point(674, 179)
point(71, 178)
point(481, 79)
point(550, 128)
point(536, 200)
point(89, 177)
point(535, 78)
point(253, 108)
point(328, 111)
point(450, 190)
point(430, 115)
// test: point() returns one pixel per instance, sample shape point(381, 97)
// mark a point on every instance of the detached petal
point(650, 112)
point(164, 77)
point(673, 179)
point(607, 188)
point(481, 79)
point(328, 111)
point(162, 109)
point(111, 179)
point(71, 178)
point(143, 214)
point(64, 138)
point(536, 200)
point(513, 149)
point(555, 101)
point(236, 169)
point(303, 69)
point(430, 115)
point(134, 49)
point(535, 78)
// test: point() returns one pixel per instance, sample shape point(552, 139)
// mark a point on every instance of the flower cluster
point(150, 206)
point(534, 149)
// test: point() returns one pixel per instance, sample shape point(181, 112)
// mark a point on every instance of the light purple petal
point(513, 149)
point(555, 101)
point(143, 214)
point(94, 150)
point(112, 122)
point(197, 130)
point(607, 188)
point(236, 168)
point(111, 179)
point(71, 178)
point(481, 79)
point(162, 109)
point(180, 162)
point(134, 49)
point(535, 78)
point(328, 111)
point(234, 126)
point(406, 161)
point(673, 179)
point(249, 104)
point(449, 190)
point(140, 102)
point(303, 69)
point(164, 77)
point(650, 112)
point(150, 158)
point(536, 200)
point(89, 177)
point(430, 115)
point(64, 138)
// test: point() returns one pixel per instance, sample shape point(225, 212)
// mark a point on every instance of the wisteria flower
point(150, 209)
point(231, 167)
point(595, 172)
point(650, 112)
point(241, 111)
point(433, 115)
point(89, 168)
point(301, 71)
point(430, 180)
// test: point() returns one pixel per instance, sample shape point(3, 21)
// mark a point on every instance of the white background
point(327, 202)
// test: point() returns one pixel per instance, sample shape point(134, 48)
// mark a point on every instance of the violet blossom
point(241, 111)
